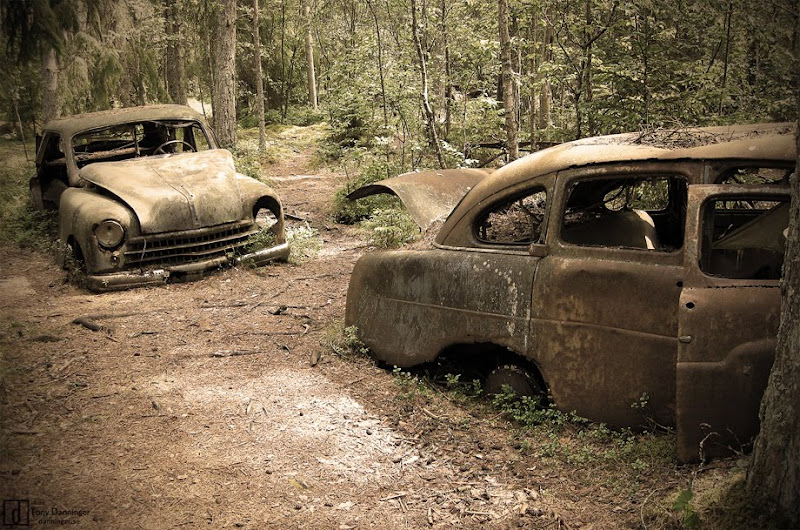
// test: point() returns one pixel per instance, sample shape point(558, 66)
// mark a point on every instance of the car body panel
point(428, 291)
point(173, 192)
point(727, 336)
point(428, 195)
point(602, 323)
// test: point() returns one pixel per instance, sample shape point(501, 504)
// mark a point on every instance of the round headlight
point(109, 234)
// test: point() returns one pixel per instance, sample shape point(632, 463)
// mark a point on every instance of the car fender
point(428, 196)
point(79, 211)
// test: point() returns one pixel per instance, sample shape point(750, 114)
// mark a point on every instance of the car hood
point(173, 192)
point(428, 195)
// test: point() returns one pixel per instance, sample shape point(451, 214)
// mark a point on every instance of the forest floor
point(216, 404)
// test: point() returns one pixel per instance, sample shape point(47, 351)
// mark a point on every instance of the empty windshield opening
point(130, 140)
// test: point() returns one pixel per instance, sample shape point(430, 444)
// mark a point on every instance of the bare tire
point(519, 380)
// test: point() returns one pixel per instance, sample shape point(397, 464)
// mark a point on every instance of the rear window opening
point(757, 175)
point(745, 238)
point(519, 221)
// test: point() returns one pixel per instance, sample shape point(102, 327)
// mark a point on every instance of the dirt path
point(197, 406)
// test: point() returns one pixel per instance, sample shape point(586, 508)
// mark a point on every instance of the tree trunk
point(224, 59)
point(774, 473)
point(545, 95)
point(587, 84)
point(312, 78)
point(176, 73)
point(512, 125)
point(50, 105)
point(448, 84)
point(262, 135)
point(430, 118)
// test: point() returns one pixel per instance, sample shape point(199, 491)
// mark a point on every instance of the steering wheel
point(161, 147)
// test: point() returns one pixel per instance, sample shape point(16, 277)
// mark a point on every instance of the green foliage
point(304, 243)
point(576, 440)
point(683, 505)
point(247, 158)
point(528, 411)
point(411, 386)
point(261, 240)
point(390, 228)
point(462, 391)
point(370, 170)
point(21, 224)
point(344, 341)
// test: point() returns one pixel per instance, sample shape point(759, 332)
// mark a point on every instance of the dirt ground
point(213, 404)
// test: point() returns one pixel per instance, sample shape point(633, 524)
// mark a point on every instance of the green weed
point(683, 506)
point(304, 242)
point(344, 341)
point(261, 240)
point(20, 224)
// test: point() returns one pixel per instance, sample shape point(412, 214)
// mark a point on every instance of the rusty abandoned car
point(628, 278)
point(145, 195)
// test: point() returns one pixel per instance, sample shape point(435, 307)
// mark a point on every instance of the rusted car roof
point(71, 125)
point(770, 141)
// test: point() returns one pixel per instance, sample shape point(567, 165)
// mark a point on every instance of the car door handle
point(686, 339)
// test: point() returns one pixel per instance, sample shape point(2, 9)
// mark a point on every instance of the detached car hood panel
point(428, 195)
point(173, 192)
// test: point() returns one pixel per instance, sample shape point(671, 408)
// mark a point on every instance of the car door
point(411, 306)
point(604, 317)
point(728, 315)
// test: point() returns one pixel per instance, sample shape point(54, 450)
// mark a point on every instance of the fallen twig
point(395, 496)
point(88, 324)
point(234, 353)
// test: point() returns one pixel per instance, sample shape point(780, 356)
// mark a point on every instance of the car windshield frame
point(135, 146)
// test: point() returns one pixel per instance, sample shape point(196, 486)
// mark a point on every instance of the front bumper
point(118, 281)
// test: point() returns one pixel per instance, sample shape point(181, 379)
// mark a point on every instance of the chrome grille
point(189, 246)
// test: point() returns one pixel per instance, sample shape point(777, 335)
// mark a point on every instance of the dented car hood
point(173, 192)
point(428, 195)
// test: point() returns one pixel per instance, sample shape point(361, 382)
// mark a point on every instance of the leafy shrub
point(371, 170)
point(390, 228)
point(261, 240)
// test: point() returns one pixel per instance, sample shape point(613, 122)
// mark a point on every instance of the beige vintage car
point(630, 278)
point(145, 195)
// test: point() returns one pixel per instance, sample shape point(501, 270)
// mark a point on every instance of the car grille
point(175, 248)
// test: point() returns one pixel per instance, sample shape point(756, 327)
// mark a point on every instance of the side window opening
point(632, 212)
point(517, 221)
point(53, 161)
point(757, 175)
point(744, 238)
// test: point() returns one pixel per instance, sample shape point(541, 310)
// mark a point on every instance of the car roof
point(770, 141)
point(71, 125)
point(755, 142)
